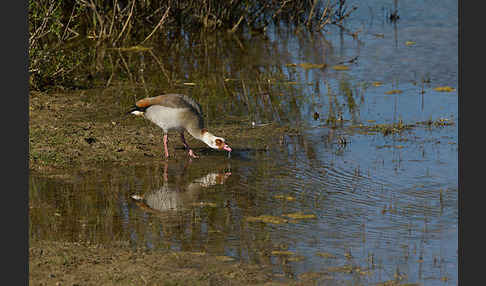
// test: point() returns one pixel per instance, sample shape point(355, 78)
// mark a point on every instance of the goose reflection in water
point(179, 195)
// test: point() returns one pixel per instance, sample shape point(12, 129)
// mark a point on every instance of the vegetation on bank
point(59, 30)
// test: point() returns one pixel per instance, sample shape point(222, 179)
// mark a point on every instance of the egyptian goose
point(178, 112)
point(177, 196)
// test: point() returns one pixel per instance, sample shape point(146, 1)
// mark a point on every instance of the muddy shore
point(79, 132)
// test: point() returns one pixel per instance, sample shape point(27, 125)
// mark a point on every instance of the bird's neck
point(201, 134)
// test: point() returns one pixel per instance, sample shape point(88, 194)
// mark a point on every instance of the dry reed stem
point(162, 20)
point(39, 32)
point(235, 27)
point(100, 19)
point(126, 66)
point(126, 22)
point(113, 17)
point(161, 67)
point(324, 14)
point(67, 25)
point(309, 19)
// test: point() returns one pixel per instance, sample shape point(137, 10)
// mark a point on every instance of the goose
point(181, 113)
point(177, 197)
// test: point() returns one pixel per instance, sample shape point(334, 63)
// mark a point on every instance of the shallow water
point(384, 204)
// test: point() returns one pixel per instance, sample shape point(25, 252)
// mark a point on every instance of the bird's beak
point(227, 148)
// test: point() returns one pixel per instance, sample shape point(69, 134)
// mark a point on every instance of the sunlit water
point(384, 205)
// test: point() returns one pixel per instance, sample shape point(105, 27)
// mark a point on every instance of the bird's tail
point(136, 110)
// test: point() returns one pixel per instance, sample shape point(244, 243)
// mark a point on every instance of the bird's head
point(215, 142)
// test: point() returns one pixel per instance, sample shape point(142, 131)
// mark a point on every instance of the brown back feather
point(171, 100)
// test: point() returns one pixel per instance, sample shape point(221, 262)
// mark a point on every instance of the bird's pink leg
point(165, 172)
point(190, 152)
point(166, 150)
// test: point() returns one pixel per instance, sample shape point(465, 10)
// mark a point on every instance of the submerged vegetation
point(65, 36)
